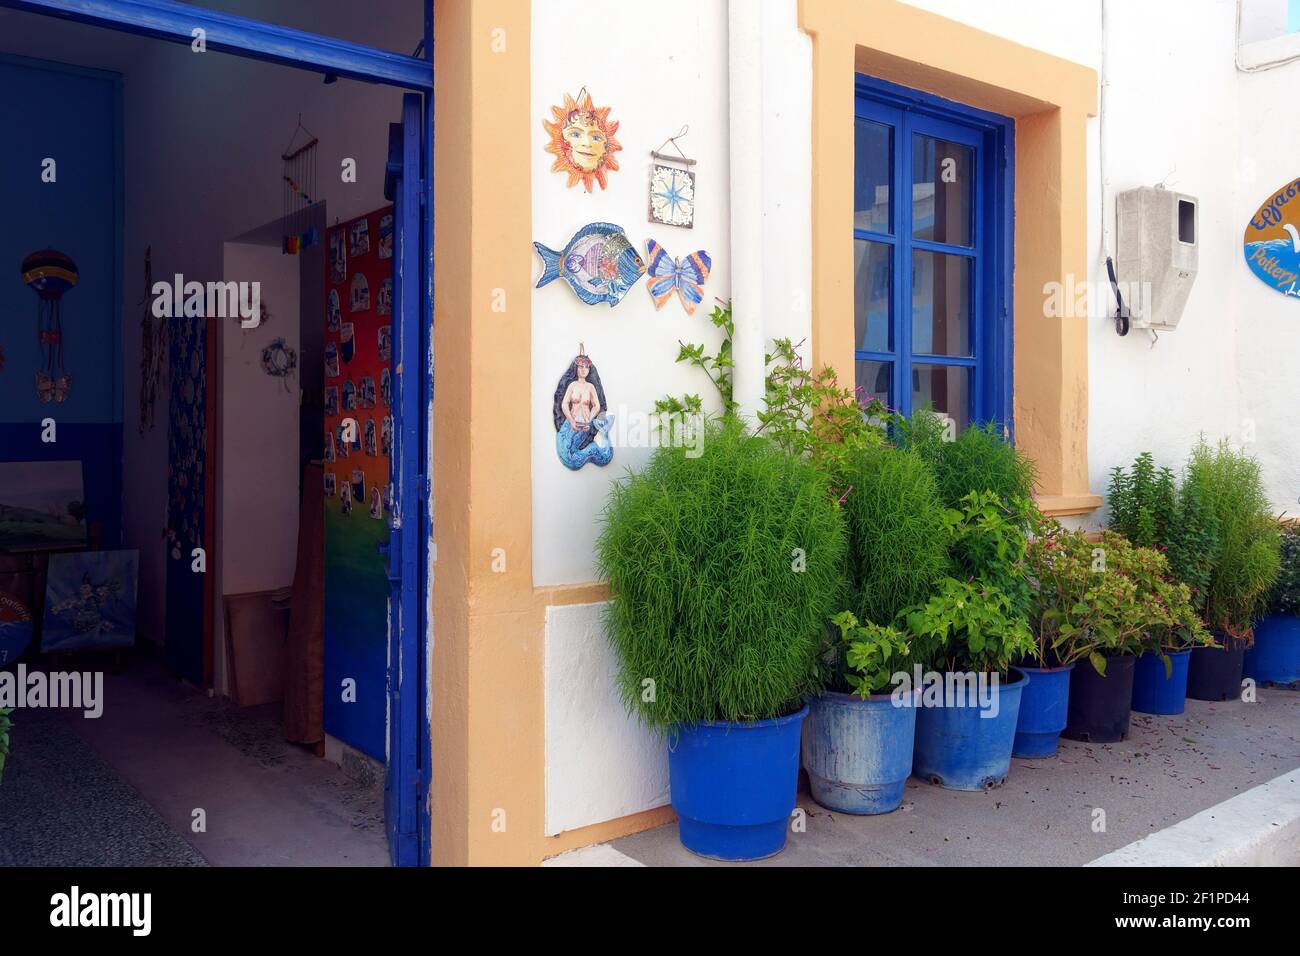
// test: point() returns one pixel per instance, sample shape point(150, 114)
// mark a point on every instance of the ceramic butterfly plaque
point(685, 276)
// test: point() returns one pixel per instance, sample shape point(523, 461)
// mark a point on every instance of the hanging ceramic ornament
point(684, 276)
point(582, 419)
point(672, 186)
point(359, 300)
point(599, 264)
point(582, 141)
point(50, 274)
point(280, 361)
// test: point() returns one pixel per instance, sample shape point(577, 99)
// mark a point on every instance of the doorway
point(402, 740)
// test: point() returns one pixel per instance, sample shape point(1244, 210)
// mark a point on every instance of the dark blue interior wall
point(73, 116)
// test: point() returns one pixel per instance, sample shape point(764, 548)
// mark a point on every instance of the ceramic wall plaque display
point(582, 419)
point(685, 276)
point(599, 263)
point(50, 274)
point(672, 186)
point(1272, 241)
point(582, 141)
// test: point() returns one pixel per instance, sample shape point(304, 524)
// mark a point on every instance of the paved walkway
point(122, 790)
point(1169, 769)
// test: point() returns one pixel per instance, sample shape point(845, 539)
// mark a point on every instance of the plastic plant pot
point(1100, 706)
point(1044, 706)
point(1153, 692)
point(1275, 656)
point(963, 746)
point(858, 752)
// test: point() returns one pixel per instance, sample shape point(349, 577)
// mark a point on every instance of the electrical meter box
point(1157, 253)
point(1157, 242)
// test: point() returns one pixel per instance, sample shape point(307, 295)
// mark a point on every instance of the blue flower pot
point(1044, 705)
point(1153, 692)
point(964, 747)
point(733, 786)
point(1275, 656)
point(858, 752)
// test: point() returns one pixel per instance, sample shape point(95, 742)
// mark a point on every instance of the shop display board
point(358, 448)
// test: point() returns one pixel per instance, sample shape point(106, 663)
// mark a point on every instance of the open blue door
point(405, 789)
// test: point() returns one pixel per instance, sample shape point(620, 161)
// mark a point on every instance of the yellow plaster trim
point(1050, 100)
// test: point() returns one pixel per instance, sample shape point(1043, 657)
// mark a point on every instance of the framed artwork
point(42, 505)
point(90, 600)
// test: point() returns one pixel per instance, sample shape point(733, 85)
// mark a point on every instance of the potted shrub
point(1068, 610)
point(1171, 629)
point(1101, 684)
point(857, 746)
point(966, 636)
point(1274, 658)
point(722, 570)
point(1243, 570)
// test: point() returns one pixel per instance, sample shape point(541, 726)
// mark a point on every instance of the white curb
point(1260, 827)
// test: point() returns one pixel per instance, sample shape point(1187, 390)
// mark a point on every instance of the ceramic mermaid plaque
point(582, 419)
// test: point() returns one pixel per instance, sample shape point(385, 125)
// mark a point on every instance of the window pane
point(945, 389)
point(942, 177)
point(941, 304)
point(872, 176)
point(872, 296)
point(876, 380)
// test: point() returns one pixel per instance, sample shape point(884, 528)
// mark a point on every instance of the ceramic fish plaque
point(684, 276)
point(599, 264)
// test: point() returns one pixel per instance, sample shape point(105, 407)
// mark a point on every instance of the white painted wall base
point(601, 764)
point(1260, 827)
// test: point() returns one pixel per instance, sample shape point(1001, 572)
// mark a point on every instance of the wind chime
point(153, 349)
point(50, 274)
point(299, 191)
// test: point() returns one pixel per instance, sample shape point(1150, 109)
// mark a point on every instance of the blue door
point(404, 789)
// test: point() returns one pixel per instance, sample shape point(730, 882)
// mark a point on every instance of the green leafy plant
point(1077, 609)
point(968, 626)
point(1194, 541)
point(6, 722)
point(1168, 619)
point(898, 533)
point(810, 414)
point(1285, 596)
point(978, 459)
point(717, 367)
point(1249, 554)
point(873, 653)
point(723, 570)
point(1143, 502)
point(988, 539)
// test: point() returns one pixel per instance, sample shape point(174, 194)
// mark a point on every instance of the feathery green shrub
point(1250, 544)
point(898, 535)
point(978, 459)
point(723, 571)
point(1143, 502)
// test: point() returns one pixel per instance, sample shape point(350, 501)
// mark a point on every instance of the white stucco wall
point(1176, 111)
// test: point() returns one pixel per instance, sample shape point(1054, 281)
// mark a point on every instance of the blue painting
point(90, 600)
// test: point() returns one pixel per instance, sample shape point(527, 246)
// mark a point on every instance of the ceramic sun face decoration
point(582, 141)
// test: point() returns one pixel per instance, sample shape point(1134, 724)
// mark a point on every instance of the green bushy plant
point(1249, 552)
point(1285, 596)
point(1143, 502)
point(723, 570)
point(968, 626)
point(1194, 541)
point(898, 532)
point(810, 414)
point(717, 367)
point(988, 538)
point(1077, 608)
point(873, 653)
point(978, 459)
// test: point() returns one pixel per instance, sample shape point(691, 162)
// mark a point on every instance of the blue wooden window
point(932, 223)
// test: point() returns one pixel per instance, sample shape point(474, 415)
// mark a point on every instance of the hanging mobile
point(50, 274)
point(672, 185)
point(299, 175)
